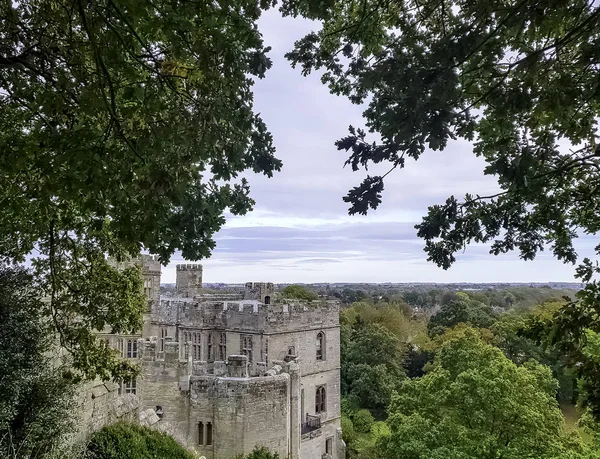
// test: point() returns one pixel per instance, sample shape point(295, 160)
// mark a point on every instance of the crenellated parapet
point(248, 315)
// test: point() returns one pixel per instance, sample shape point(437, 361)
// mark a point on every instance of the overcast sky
point(300, 230)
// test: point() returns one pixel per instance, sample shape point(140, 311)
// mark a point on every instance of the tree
point(124, 126)
point(371, 361)
point(475, 403)
point(519, 80)
point(299, 292)
point(36, 395)
point(461, 310)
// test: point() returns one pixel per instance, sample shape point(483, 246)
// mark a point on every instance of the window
point(209, 433)
point(222, 346)
point(321, 346)
point(246, 346)
point(128, 387)
point(196, 346)
point(191, 343)
point(210, 356)
point(267, 299)
point(131, 349)
point(320, 400)
point(329, 446)
point(205, 428)
point(201, 433)
point(291, 350)
point(163, 335)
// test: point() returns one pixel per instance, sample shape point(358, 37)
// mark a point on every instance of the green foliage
point(515, 79)
point(476, 403)
point(124, 126)
point(36, 397)
point(348, 433)
point(363, 421)
point(130, 441)
point(461, 310)
point(260, 452)
point(299, 292)
point(371, 360)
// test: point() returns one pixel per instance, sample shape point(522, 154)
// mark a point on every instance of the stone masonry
point(224, 373)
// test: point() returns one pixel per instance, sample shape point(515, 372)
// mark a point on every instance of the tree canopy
point(124, 126)
point(475, 403)
point(519, 80)
point(36, 394)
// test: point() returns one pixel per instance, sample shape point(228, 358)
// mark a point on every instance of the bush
point(260, 452)
point(348, 433)
point(363, 421)
point(130, 441)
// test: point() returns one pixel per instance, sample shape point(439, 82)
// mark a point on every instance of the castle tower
point(189, 280)
point(262, 291)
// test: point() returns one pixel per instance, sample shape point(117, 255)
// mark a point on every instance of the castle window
point(291, 350)
point(201, 433)
point(210, 347)
point(128, 387)
point(267, 299)
point(131, 352)
point(320, 400)
point(321, 346)
point(196, 347)
point(205, 428)
point(185, 345)
point(222, 346)
point(209, 434)
point(329, 446)
point(246, 346)
point(163, 334)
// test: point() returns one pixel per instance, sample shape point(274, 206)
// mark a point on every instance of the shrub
point(260, 452)
point(363, 421)
point(348, 433)
point(130, 441)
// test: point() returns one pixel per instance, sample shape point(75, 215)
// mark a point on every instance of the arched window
point(320, 400)
point(321, 346)
point(267, 299)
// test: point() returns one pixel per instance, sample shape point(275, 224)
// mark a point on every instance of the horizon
point(300, 231)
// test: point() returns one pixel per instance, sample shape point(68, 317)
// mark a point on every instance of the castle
point(228, 372)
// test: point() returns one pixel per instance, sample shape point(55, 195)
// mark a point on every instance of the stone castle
point(228, 372)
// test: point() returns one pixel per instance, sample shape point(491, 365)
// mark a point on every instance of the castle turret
point(261, 291)
point(189, 280)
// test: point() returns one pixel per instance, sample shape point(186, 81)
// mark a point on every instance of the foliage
point(124, 126)
point(514, 78)
point(573, 330)
point(476, 403)
point(519, 80)
point(260, 452)
point(131, 441)
point(348, 433)
point(36, 396)
point(363, 421)
point(461, 310)
point(299, 292)
point(371, 361)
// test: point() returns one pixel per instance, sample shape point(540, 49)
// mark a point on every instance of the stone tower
point(189, 280)
point(261, 291)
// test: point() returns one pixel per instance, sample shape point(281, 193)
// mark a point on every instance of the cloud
point(300, 230)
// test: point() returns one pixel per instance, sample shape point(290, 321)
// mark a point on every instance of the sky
point(300, 230)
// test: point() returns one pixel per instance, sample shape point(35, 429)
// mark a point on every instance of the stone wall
point(99, 404)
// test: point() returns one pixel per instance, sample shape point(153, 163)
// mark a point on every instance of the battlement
point(189, 267)
point(247, 315)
